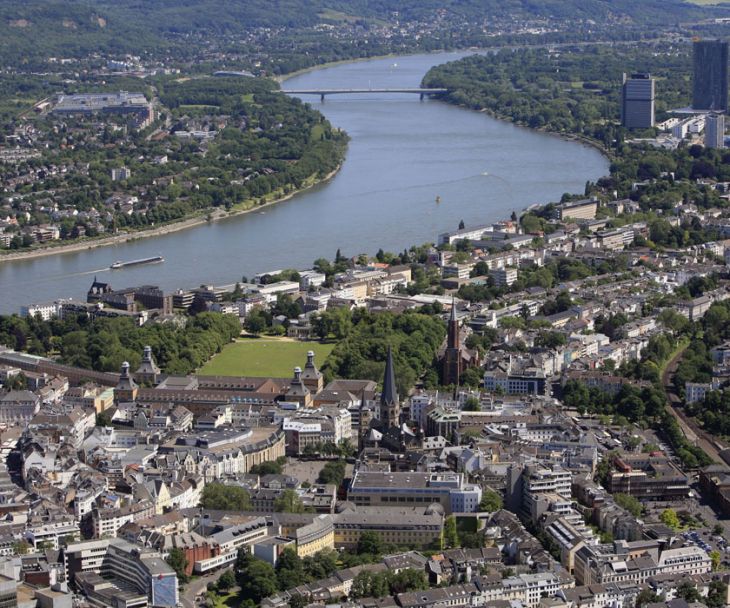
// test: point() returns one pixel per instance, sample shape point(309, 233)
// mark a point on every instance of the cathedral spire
point(389, 401)
point(390, 393)
point(453, 337)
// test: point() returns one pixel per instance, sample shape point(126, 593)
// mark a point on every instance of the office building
point(637, 101)
point(584, 209)
point(380, 489)
point(8, 592)
point(709, 86)
point(715, 130)
point(127, 566)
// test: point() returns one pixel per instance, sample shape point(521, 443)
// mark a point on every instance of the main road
point(403, 156)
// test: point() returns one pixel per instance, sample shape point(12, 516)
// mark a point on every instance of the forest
point(414, 338)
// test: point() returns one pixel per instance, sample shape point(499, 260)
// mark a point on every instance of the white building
point(46, 311)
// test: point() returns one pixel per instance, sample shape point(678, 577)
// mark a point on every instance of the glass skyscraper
point(709, 87)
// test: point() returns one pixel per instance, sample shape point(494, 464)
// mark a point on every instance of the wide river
point(403, 154)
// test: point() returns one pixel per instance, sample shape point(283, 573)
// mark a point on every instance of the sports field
point(259, 357)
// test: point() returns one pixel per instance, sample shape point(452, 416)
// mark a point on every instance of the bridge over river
point(421, 91)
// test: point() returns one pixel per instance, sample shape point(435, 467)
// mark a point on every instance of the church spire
point(453, 337)
point(389, 401)
point(390, 393)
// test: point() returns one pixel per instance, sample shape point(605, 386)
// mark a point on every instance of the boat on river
point(158, 259)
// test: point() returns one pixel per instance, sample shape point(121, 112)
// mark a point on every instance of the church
point(387, 430)
point(455, 358)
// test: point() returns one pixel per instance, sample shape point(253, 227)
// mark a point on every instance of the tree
point(226, 580)
point(289, 569)
point(103, 419)
point(688, 592)
point(287, 307)
point(670, 518)
point(255, 322)
point(321, 565)
point(332, 472)
point(550, 339)
point(289, 502)
point(369, 584)
point(717, 594)
point(631, 504)
point(451, 535)
point(257, 581)
point(298, 601)
point(472, 405)
point(178, 562)
point(270, 467)
point(21, 547)
point(491, 501)
point(716, 558)
point(472, 376)
point(225, 498)
point(18, 382)
point(646, 596)
point(407, 580)
point(369, 543)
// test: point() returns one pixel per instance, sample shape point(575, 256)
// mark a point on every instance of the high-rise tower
point(637, 101)
point(715, 130)
point(709, 85)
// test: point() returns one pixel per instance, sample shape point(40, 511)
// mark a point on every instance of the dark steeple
point(390, 393)
point(389, 401)
point(453, 341)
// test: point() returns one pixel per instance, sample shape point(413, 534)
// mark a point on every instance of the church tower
point(126, 389)
point(389, 401)
point(148, 372)
point(298, 391)
point(311, 376)
point(451, 364)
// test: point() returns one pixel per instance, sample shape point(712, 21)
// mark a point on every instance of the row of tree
point(102, 343)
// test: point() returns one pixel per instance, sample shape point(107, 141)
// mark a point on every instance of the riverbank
point(207, 216)
point(572, 137)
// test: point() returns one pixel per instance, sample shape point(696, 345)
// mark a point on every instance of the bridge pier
point(321, 97)
point(421, 96)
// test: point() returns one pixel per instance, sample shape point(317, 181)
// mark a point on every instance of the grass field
point(261, 357)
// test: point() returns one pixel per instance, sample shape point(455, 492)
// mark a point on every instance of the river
point(403, 154)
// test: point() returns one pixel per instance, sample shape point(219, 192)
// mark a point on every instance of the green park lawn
point(262, 357)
